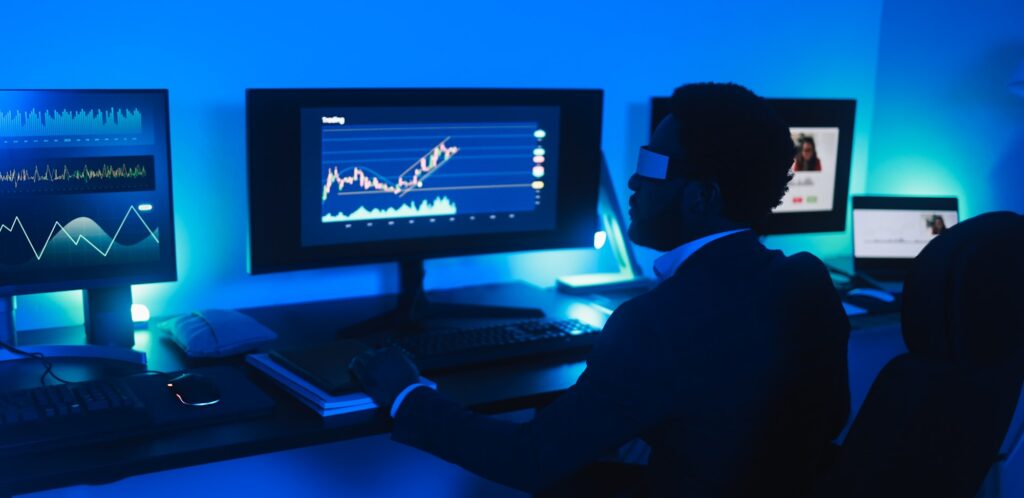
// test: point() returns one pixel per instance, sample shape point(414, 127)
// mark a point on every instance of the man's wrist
point(397, 403)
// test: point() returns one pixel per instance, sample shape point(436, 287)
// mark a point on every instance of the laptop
point(889, 232)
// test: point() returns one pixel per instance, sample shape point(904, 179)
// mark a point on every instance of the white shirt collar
point(667, 264)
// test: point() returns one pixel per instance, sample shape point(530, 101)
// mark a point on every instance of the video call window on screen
point(814, 170)
point(897, 233)
point(890, 231)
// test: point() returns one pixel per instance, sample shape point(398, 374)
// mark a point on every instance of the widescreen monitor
point(346, 176)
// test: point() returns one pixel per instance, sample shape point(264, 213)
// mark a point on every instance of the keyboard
point(43, 417)
point(456, 348)
point(104, 411)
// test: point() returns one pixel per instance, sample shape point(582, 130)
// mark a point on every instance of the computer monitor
point(347, 176)
point(890, 231)
point(85, 199)
point(817, 196)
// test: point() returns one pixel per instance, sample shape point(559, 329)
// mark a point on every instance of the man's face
point(655, 210)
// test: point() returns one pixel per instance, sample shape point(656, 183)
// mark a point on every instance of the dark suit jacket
point(733, 370)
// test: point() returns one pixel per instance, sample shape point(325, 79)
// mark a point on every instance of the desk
point(494, 389)
point(292, 425)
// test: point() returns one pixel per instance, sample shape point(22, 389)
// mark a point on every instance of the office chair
point(1006, 479)
point(934, 419)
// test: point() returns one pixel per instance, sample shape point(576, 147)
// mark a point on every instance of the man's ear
point(689, 196)
point(710, 197)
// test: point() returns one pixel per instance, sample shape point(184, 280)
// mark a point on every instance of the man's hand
point(384, 373)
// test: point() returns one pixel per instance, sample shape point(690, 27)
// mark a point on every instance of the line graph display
point(389, 173)
point(402, 170)
point(79, 242)
point(85, 190)
point(78, 175)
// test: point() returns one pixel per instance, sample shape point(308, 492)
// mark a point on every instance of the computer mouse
point(194, 390)
point(875, 294)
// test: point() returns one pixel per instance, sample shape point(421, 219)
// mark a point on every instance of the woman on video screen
point(807, 155)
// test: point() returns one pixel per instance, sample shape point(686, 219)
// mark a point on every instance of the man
point(733, 369)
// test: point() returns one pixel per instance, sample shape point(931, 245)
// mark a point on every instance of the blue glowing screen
point(85, 196)
point(386, 173)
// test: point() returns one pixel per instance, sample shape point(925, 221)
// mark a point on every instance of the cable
point(49, 366)
point(39, 356)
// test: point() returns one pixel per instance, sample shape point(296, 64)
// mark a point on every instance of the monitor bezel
point(169, 271)
point(838, 113)
point(895, 267)
point(274, 232)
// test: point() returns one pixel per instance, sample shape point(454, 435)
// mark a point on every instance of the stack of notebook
point(318, 376)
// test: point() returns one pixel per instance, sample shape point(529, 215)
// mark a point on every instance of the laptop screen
point(892, 231)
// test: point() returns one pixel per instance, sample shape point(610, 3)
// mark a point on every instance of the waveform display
point(79, 175)
point(382, 171)
point(422, 168)
point(440, 206)
point(80, 242)
point(65, 123)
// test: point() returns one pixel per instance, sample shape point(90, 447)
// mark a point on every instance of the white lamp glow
point(140, 313)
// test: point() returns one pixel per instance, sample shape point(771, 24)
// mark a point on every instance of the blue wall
point(207, 53)
point(944, 121)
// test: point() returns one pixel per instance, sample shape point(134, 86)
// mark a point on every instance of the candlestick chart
point(377, 172)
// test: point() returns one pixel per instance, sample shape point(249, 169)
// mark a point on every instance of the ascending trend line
point(80, 238)
point(426, 166)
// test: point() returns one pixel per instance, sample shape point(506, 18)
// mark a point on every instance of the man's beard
point(662, 232)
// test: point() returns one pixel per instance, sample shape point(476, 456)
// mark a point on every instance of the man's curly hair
point(732, 136)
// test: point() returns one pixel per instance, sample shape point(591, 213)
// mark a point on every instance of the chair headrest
point(963, 300)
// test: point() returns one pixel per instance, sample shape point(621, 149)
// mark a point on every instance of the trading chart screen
point(385, 173)
point(84, 189)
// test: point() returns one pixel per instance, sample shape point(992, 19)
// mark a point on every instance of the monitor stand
point(109, 331)
point(414, 313)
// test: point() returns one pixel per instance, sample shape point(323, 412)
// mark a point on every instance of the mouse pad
point(239, 398)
